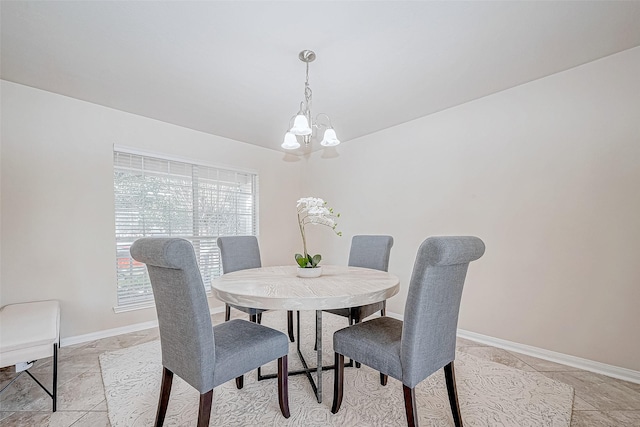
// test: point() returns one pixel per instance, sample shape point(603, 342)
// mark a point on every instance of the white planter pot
point(309, 272)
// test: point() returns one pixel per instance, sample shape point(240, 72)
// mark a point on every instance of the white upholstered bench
point(28, 332)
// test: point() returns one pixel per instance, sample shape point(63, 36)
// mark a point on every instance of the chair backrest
point(186, 333)
point(433, 303)
point(239, 253)
point(370, 252)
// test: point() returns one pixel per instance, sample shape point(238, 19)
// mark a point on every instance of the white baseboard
point(552, 356)
point(80, 339)
point(540, 353)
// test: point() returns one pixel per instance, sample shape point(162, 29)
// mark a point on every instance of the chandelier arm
point(329, 126)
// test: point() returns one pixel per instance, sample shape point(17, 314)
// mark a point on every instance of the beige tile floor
point(599, 400)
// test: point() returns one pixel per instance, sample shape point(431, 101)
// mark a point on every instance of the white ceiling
point(232, 68)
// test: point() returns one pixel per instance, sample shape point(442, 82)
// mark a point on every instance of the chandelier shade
point(305, 128)
point(330, 139)
point(301, 126)
point(290, 141)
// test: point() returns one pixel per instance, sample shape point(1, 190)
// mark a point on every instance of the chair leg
point(283, 386)
point(450, 378)
point(410, 406)
point(383, 312)
point(350, 318)
point(165, 392)
point(383, 379)
point(204, 410)
point(253, 318)
point(240, 382)
point(338, 383)
point(357, 320)
point(227, 312)
point(259, 317)
point(290, 326)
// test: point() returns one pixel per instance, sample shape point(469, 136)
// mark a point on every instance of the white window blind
point(160, 197)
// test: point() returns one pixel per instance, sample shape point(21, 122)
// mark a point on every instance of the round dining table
point(280, 288)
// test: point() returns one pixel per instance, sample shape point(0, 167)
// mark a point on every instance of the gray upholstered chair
point(241, 253)
point(202, 355)
point(412, 350)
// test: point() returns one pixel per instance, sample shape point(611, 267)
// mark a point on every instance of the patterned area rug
point(490, 394)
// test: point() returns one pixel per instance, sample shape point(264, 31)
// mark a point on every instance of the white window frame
point(231, 196)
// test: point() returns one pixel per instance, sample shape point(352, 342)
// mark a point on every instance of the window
point(161, 197)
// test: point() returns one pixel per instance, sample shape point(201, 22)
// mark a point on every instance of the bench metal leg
point(53, 394)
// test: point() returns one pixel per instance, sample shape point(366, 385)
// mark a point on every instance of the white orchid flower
point(313, 210)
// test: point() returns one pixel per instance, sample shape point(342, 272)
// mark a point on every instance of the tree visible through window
point(159, 197)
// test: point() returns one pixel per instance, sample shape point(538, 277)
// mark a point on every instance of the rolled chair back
point(184, 320)
point(433, 303)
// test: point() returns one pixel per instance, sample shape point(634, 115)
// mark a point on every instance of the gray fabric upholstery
point(242, 346)
point(370, 252)
point(427, 338)
point(181, 303)
point(376, 343)
point(239, 253)
point(367, 252)
point(191, 348)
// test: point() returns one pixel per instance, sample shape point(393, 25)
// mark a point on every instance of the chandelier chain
point(307, 92)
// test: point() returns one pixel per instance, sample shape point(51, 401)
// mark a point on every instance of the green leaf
point(315, 260)
point(301, 260)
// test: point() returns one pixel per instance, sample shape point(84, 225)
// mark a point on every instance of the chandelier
point(303, 125)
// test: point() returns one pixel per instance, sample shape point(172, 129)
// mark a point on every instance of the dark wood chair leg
point(383, 312)
point(383, 379)
point(338, 383)
point(350, 324)
point(204, 411)
point(450, 378)
point(227, 312)
point(259, 318)
point(240, 382)
point(165, 392)
point(253, 318)
point(283, 386)
point(410, 406)
point(357, 320)
point(292, 337)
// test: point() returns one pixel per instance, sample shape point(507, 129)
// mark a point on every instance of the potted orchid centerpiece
point(313, 210)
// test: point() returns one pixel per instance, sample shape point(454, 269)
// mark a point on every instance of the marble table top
point(279, 288)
